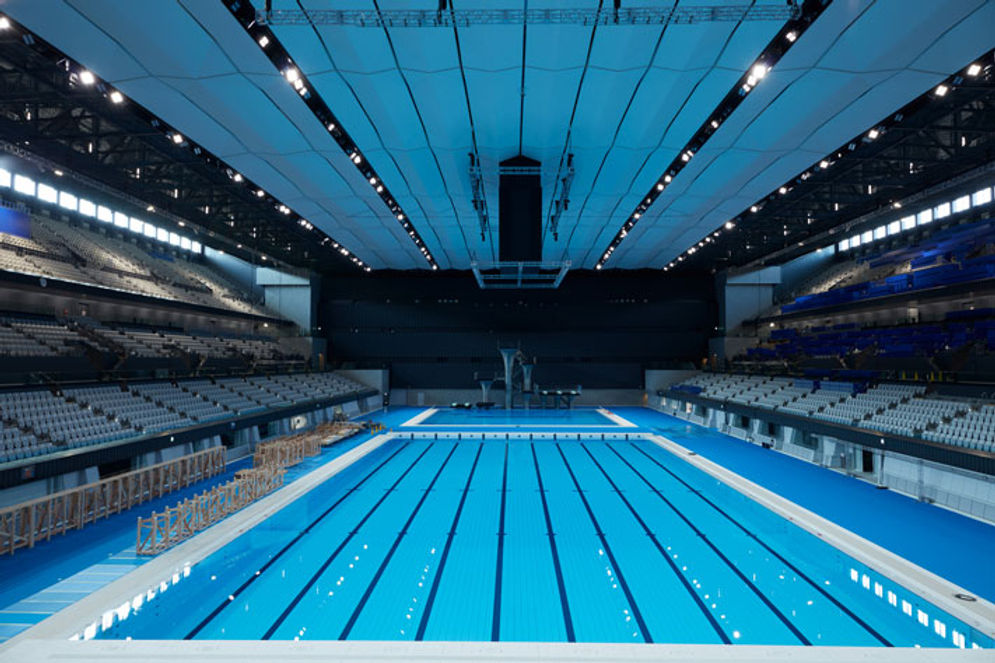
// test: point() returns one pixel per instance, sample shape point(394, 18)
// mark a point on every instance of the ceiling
point(623, 99)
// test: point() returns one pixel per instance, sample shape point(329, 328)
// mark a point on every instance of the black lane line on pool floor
point(659, 546)
point(801, 574)
point(245, 585)
point(496, 617)
point(715, 549)
point(314, 578)
point(393, 548)
point(437, 580)
point(560, 584)
point(608, 551)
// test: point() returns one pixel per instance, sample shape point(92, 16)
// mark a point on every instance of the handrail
point(24, 524)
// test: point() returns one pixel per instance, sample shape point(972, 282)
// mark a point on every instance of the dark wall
point(436, 330)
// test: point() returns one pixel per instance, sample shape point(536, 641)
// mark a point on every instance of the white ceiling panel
point(843, 75)
point(624, 103)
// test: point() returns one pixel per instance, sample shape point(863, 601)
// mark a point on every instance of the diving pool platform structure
point(615, 512)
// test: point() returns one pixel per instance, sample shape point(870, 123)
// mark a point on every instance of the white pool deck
point(49, 640)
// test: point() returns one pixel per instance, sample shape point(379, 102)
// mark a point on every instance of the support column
point(527, 384)
point(508, 357)
point(485, 390)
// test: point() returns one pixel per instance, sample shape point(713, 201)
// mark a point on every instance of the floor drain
point(965, 597)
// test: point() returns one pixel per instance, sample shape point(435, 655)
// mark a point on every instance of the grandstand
point(480, 331)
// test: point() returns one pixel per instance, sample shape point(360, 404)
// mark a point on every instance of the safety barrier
point(164, 530)
point(175, 524)
point(22, 525)
point(291, 450)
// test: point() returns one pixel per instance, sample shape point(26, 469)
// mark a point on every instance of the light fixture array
point(771, 54)
point(947, 86)
point(243, 11)
point(79, 75)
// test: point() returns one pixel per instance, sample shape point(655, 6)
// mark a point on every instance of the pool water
point(518, 418)
point(536, 541)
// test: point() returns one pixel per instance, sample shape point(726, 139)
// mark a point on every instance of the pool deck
point(57, 575)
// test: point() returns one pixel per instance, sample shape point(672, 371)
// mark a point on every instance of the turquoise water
point(534, 540)
point(524, 418)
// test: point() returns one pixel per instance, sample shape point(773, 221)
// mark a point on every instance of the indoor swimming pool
point(519, 418)
point(616, 541)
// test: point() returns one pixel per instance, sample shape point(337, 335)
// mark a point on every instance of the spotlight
point(4, 23)
point(974, 69)
point(237, 177)
point(86, 77)
point(941, 90)
point(177, 138)
point(264, 41)
point(292, 74)
point(754, 208)
point(823, 164)
point(659, 186)
point(116, 97)
point(260, 193)
point(791, 36)
point(783, 190)
point(873, 133)
point(730, 225)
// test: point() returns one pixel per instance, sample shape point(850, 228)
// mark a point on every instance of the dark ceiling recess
point(520, 212)
point(932, 139)
point(46, 109)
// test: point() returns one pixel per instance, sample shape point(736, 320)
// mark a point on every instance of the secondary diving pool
point(533, 540)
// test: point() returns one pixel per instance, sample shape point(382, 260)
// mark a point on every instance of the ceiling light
point(116, 96)
point(941, 90)
point(659, 186)
point(264, 41)
point(823, 164)
point(896, 205)
point(400, 217)
point(150, 208)
point(331, 126)
point(974, 69)
point(715, 124)
point(667, 178)
point(730, 225)
point(260, 193)
point(783, 190)
point(356, 158)
point(754, 208)
point(4, 23)
point(292, 74)
point(791, 36)
point(58, 173)
point(759, 71)
point(86, 77)
point(237, 177)
point(873, 133)
point(177, 138)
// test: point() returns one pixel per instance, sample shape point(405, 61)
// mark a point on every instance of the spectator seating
point(956, 255)
point(902, 409)
point(76, 253)
point(39, 421)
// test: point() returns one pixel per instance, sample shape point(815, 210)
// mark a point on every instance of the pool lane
point(535, 541)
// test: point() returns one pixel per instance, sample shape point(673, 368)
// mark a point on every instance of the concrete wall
point(291, 296)
point(662, 379)
point(744, 296)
